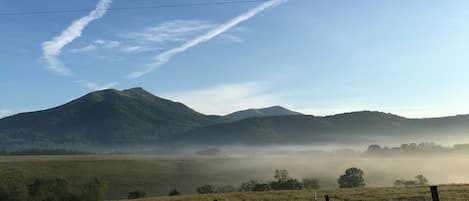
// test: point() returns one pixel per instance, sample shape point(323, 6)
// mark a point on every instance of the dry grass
point(447, 193)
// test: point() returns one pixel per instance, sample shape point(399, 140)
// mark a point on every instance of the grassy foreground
point(155, 175)
point(447, 193)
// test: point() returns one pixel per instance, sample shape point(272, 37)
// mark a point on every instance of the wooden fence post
point(434, 190)
point(326, 197)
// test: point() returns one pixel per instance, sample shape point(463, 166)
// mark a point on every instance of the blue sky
point(318, 57)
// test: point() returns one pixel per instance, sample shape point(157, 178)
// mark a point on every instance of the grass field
point(157, 175)
point(154, 175)
point(447, 193)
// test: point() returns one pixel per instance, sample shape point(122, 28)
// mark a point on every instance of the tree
point(373, 148)
point(421, 180)
point(205, 189)
point(353, 177)
point(96, 190)
point(261, 187)
point(174, 192)
point(248, 186)
point(281, 175)
point(311, 183)
point(284, 181)
point(56, 189)
point(136, 194)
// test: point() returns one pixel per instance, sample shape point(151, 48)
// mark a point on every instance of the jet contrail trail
point(51, 49)
point(164, 57)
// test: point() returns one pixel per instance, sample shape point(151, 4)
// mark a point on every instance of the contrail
point(164, 57)
point(51, 49)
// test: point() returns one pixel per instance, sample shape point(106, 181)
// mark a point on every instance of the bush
point(174, 192)
point(248, 186)
point(56, 189)
point(136, 194)
point(353, 177)
point(205, 189)
point(289, 184)
point(420, 180)
point(284, 181)
point(261, 187)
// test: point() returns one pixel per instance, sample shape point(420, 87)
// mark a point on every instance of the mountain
point(104, 117)
point(137, 117)
point(262, 112)
point(349, 128)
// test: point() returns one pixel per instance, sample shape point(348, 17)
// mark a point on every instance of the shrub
point(205, 189)
point(174, 192)
point(353, 177)
point(136, 194)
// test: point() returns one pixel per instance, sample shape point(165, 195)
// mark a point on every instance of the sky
point(314, 56)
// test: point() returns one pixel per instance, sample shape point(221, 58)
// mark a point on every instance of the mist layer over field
point(157, 175)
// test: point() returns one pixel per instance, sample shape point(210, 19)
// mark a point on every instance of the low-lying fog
point(384, 171)
point(240, 163)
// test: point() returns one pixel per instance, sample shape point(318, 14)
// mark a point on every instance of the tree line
point(14, 187)
point(414, 148)
point(353, 177)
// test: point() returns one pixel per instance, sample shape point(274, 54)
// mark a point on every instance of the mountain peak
point(135, 89)
point(261, 112)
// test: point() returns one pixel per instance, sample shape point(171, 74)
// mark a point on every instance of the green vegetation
point(157, 176)
point(414, 148)
point(354, 128)
point(103, 117)
point(49, 152)
point(137, 194)
point(136, 117)
point(420, 180)
point(174, 192)
point(353, 177)
point(422, 193)
point(283, 181)
point(14, 187)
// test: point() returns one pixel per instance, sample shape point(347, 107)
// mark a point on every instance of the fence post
point(434, 190)
point(326, 197)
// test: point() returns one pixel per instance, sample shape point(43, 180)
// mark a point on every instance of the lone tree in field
point(353, 177)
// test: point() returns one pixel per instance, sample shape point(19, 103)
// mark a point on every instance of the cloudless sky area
point(318, 57)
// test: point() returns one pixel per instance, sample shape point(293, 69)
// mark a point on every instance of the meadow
point(447, 193)
point(157, 175)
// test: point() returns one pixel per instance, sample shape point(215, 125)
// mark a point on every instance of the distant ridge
point(261, 112)
point(363, 127)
